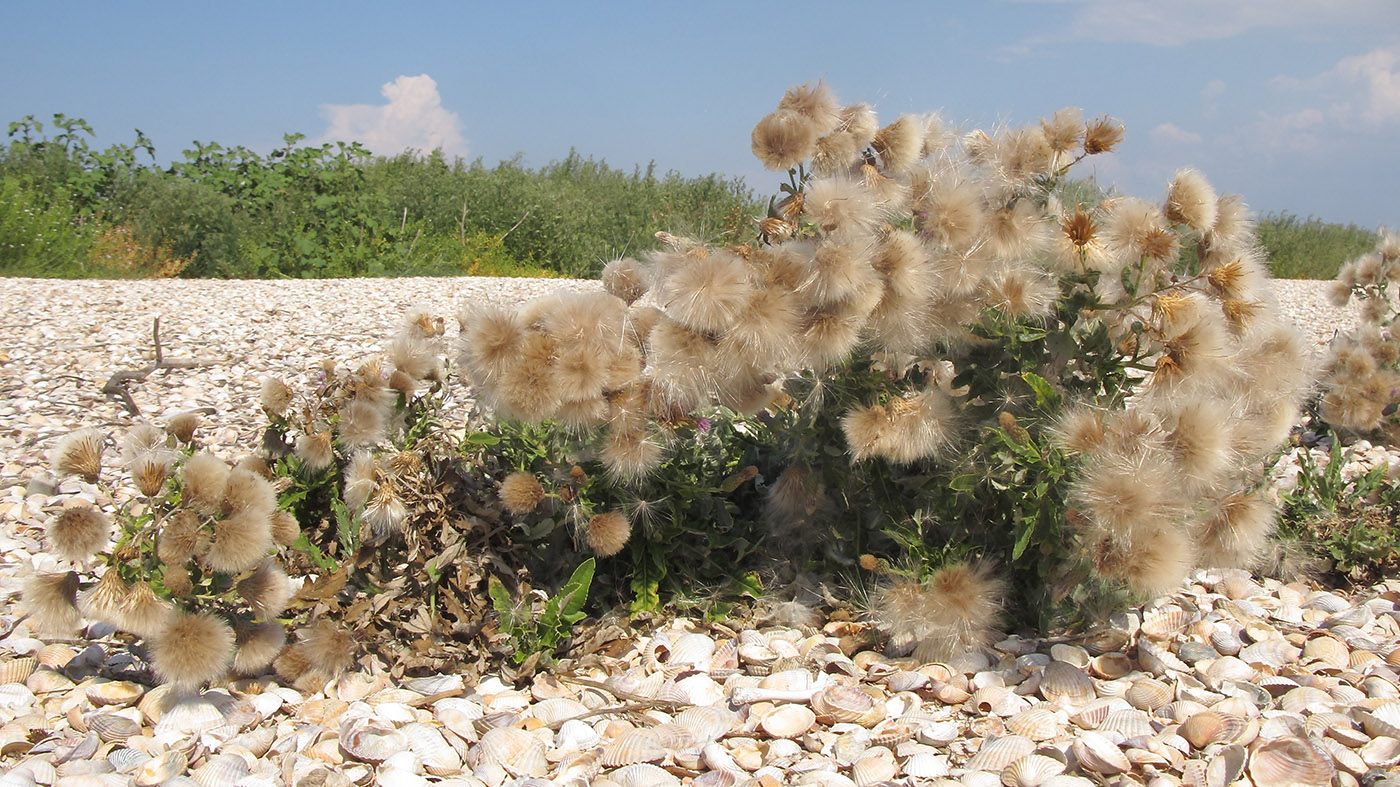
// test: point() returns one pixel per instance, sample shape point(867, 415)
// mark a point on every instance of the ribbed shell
point(1291, 761)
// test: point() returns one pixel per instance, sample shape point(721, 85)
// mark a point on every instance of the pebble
point(1309, 692)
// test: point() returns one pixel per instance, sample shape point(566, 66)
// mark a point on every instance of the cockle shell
point(938, 733)
point(160, 769)
point(1148, 694)
point(1290, 761)
point(1099, 754)
point(876, 765)
point(1381, 752)
point(1111, 665)
point(1226, 639)
point(1104, 641)
point(1129, 723)
point(1157, 659)
point(517, 752)
point(1271, 652)
point(1092, 715)
point(113, 692)
point(556, 709)
point(1165, 622)
point(1031, 771)
point(788, 721)
point(1067, 682)
point(17, 670)
point(634, 746)
point(1328, 650)
point(997, 753)
point(1343, 757)
point(370, 741)
point(641, 775)
point(926, 765)
point(837, 703)
point(1070, 654)
point(436, 754)
point(1381, 721)
point(1037, 723)
point(111, 728)
point(1209, 727)
point(1304, 698)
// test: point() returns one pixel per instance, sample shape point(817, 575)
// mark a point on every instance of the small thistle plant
point(1361, 375)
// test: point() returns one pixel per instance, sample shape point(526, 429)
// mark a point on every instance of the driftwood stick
point(116, 385)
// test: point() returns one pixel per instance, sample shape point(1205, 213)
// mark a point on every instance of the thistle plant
point(192, 566)
point(944, 364)
point(1361, 374)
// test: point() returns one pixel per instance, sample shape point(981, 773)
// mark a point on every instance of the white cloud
point(1161, 23)
point(1378, 81)
point(413, 119)
point(1172, 134)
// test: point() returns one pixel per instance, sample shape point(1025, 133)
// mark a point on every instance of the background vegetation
point(332, 210)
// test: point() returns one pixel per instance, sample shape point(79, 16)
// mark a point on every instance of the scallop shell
point(1099, 754)
point(1328, 650)
point(1062, 680)
point(1381, 752)
point(56, 656)
point(948, 693)
point(517, 752)
point(1272, 652)
point(1037, 723)
point(188, 716)
point(1208, 727)
point(1378, 688)
point(256, 740)
point(111, 728)
point(114, 692)
point(788, 721)
point(1031, 771)
point(429, 685)
point(1148, 694)
point(160, 769)
point(876, 765)
point(1292, 761)
point(997, 753)
point(926, 765)
point(17, 670)
point(1165, 622)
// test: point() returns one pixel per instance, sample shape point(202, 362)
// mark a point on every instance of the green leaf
point(481, 438)
point(575, 592)
point(500, 599)
point(1023, 539)
point(1046, 397)
point(963, 483)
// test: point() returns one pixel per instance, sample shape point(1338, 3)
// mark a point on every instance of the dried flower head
point(316, 450)
point(79, 531)
point(275, 396)
point(813, 100)
point(193, 649)
point(948, 211)
point(204, 478)
point(955, 610)
point(182, 425)
point(267, 590)
point(707, 295)
point(104, 600)
point(608, 532)
point(1064, 130)
point(322, 654)
point(1192, 201)
point(784, 138)
point(143, 613)
point(842, 204)
point(247, 490)
point(1102, 135)
point(520, 493)
point(256, 646)
point(80, 453)
point(1158, 561)
point(362, 423)
point(631, 454)
point(626, 278)
point(415, 357)
point(177, 580)
point(1237, 532)
point(241, 541)
point(900, 144)
point(384, 515)
point(182, 536)
point(285, 530)
point(51, 601)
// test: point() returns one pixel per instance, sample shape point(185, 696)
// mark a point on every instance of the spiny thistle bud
point(608, 533)
point(80, 453)
point(78, 532)
point(869, 562)
point(1192, 201)
point(104, 601)
point(275, 396)
point(1064, 130)
point(192, 649)
point(143, 613)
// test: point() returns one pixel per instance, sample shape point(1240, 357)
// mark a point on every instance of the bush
point(1309, 248)
point(190, 220)
point(39, 237)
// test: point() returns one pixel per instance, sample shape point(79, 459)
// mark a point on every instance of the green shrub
point(191, 220)
point(39, 237)
point(1310, 248)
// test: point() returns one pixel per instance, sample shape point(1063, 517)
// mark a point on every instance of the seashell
point(1158, 660)
point(1227, 668)
point(1236, 706)
point(1111, 665)
point(515, 751)
point(904, 680)
point(1148, 694)
point(997, 753)
point(1031, 771)
point(160, 769)
point(1062, 680)
point(125, 760)
point(836, 704)
point(1099, 754)
point(190, 715)
point(1207, 727)
point(1129, 723)
point(434, 684)
point(948, 693)
point(1236, 587)
point(56, 655)
point(114, 692)
point(1090, 716)
point(1290, 761)
point(459, 715)
point(111, 728)
point(631, 747)
point(1326, 602)
point(369, 741)
point(1070, 654)
point(788, 721)
point(1163, 623)
point(1226, 640)
point(926, 765)
point(257, 740)
point(1272, 652)
point(221, 770)
point(1381, 752)
point(938, 733)
point(556, 709)
point(1192, 651)
point(1344, 758)
point(876, 765)
point(1305, 698)
point(1226, 766)
point(46, 681)
point(18, 670)
point(642, 775)
point(1343, 694)
point(1378, 688)
point(707, 723)
point(1104, 641)
point(969, 662)
point(1328, 650)
point(434, 752)
point(1037, 723)
point(756, 657)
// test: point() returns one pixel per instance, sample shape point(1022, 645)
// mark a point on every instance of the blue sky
point(1293, 103)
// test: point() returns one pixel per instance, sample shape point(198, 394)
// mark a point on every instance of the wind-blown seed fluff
point(626, 278)
point(103, 601)
point(78, 532)
point(182, 536)
point(1159, 560)
point(51, 600)
point(1236, 532)
point(528, 387)
point(285, 529)
point(182, 425)
point(275, 396)
point(948, 211)
point(631, 454)
point(241, 541)
point(763, 333)
point(194, 649)
point(843, 147)
point(204, 477)
point(814, 101)
point(784, 138)
point(256, 646)
point(900, 144)
point(415, 356)
point(322, 654)
point(1064, 130)
point(953, 611)
point(1102, 135)
point(489, 342)
point(316, 450)
point(383, 515)
point(707, 295)
point(362, 423)
point(246, 490)
point(80, 453)
point(143, 613)
point(842, 204)
point(1192, 201)
point(608, 532)
point(842, 271)
point(683, 363)
point(267, 590)
point(520, 493)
